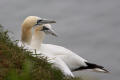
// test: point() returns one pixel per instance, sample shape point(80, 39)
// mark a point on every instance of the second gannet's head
point(46, 29)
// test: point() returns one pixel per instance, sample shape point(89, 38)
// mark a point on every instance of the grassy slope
point(18, 64)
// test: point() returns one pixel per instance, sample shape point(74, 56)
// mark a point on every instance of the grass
point(17, 63)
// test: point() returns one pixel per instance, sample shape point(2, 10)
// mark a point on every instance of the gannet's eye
point(44, 28)
point(38, 21)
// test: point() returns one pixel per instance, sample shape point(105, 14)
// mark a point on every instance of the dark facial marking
point(38, 21)
point(44, 28)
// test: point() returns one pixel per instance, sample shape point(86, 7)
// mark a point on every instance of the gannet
point(29, 23)
point(71, 59)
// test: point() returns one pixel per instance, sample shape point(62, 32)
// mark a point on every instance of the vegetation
point(17, 63)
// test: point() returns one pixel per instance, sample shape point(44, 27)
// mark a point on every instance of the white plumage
point(71, 59)
point(57, 63)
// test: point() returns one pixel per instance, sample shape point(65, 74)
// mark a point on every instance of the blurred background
point(90, 28)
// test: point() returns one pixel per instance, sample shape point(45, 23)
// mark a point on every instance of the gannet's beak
point(44, 21)
point(47, 22)
point(51, 31)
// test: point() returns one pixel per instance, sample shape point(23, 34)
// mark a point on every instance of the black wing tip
point(95, 66)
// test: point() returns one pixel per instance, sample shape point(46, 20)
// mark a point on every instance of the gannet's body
point(25, 42)
point(73, 61)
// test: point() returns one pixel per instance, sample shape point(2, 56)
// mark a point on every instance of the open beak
point(50, 31)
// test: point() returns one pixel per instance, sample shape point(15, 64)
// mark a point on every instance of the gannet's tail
point(94, 67)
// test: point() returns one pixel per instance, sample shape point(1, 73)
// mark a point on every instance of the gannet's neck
point(37, 39)
point(26, 34)
point(27, 26)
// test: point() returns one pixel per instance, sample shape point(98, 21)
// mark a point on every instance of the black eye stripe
point(39, 21)
point(45, 28)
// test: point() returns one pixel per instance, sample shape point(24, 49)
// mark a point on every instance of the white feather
point(71, 59)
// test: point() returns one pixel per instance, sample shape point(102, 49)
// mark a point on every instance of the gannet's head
point(47, 29)
point(32, 21)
